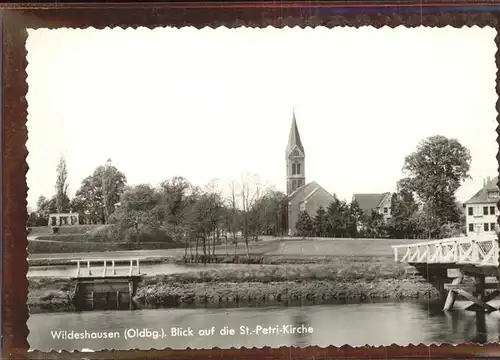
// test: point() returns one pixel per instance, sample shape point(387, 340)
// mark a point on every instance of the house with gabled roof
point(301, 196)
point(481, 209)
point(380, 203)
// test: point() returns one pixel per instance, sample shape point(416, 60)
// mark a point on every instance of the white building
point(481, 210)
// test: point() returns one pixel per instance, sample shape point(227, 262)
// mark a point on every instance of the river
point(355, 324)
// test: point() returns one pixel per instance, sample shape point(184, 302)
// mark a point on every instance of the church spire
point(294, 137)
point(295, 159)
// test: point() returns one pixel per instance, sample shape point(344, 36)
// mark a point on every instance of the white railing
point(107, 268)
point(478, 251)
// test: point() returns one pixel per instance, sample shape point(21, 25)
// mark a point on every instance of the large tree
point(271, 212)
point(404, 222)
point(62, 199)
point(137, 214)
point(94, 200)
point(434, 172)
point(45, 207)
point(251, 191)
point(337, 212)
point(175, 199)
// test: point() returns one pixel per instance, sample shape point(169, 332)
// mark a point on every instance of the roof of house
point(482, 195)
point(294, 138)
point(369, 202)
point(306, 191)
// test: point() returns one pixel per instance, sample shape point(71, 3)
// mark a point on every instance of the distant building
point(63, 219)
point(481, 210)
point(301, 196)
point(380, 203)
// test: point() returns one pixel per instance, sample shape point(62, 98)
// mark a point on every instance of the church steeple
point(294, 137)
point(295, 159)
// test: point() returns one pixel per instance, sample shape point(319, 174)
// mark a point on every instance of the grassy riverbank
point(226, 294)
point(343, 278)
point(49, 294)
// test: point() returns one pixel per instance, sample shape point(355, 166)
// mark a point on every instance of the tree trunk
point(216, 237)
point(204, 240)
point(225, 242)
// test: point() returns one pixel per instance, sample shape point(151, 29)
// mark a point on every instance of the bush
point(146, 235)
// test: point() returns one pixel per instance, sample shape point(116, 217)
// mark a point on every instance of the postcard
point(251, 187)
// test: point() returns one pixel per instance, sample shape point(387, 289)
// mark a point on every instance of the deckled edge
point(15, 87)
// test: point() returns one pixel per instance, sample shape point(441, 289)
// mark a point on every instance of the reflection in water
point(355, 324)
point(481, 334)
point(300, 320)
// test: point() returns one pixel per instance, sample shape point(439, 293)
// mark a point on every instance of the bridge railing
point(107, 268)
point(478, 251)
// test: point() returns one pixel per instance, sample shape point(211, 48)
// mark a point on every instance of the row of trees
point(96, 197)
point(423, 206)
point(175, 210)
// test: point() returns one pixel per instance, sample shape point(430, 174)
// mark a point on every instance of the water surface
point(148, 269)
point(355, 324)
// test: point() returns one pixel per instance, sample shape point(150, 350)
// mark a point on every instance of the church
point(301, 195)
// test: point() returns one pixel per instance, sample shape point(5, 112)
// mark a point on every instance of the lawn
point(339, 247)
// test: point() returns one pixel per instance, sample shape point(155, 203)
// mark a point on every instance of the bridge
point(465, 266)
point(105, 283)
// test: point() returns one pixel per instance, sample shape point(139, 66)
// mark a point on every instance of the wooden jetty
point(106, 283)
point(448, 263)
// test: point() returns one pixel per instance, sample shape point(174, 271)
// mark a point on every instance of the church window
point(300, 183)
point(298, 168)
point(294, 184)
point(294, 168)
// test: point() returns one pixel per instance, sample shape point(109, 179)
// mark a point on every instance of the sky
point(213, 104)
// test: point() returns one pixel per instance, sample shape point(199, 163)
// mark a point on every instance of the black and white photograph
point(200, 188)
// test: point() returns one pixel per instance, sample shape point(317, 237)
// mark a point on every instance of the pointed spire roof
point(294, 137)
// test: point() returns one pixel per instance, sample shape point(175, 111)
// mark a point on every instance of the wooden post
point(104, 268)
point(113, 266)
point(78, 268)
point(117, 299)
point(474, 252)
point(131, 267)
point(480, 281)
point(138, 268)
point(395, 254)
point(452, 295)
point(131, 293)
point(88, 267)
